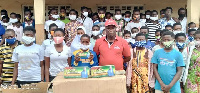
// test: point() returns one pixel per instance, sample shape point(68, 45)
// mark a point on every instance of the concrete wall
point(16, 5)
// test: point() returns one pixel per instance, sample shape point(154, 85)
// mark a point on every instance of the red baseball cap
point(110, 22)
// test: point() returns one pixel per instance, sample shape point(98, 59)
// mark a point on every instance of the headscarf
point(76, 43)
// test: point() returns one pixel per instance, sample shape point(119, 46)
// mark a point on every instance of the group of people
point(159, 55)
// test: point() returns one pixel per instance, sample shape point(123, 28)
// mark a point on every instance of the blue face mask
point(191, 38)
point(127, 19)
point(180, 45)
point(140, 43)
point(11, 41)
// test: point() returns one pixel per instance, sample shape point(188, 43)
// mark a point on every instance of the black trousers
point(19, 83)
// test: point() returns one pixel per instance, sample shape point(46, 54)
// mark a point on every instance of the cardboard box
point(116, 84)
point(101, 71)
point(41, 87)
point(75, 72)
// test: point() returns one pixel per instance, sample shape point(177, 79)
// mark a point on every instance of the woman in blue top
point(84, 56)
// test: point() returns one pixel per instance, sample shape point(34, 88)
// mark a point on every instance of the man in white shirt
point(87, 22)
point(53, 14)
point(135, 22)
point(168, 20)
point(182, 18)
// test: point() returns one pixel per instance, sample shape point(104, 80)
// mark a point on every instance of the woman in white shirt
point(28, 60)
point(57, 56)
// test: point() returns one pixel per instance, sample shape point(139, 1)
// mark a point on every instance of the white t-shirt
point(28, 59)
point(87, 23)
point(59, 23)
point(58, 61)
point(132, 25)
point(48, 42)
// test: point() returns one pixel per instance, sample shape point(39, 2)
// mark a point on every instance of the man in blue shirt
point(167, 66)
point(2, 32)
point(145, 30)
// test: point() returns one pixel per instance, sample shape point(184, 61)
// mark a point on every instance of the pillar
point(193, 11)
point(39, 13)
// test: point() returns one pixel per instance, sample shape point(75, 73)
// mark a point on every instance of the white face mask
point(194, 28)
point(55, 16)
point(85, 47)
point(176, 32)
point(147, 16)
point(154, 18)
point(128, 40)
point(95, 33)
point(118, 17)
point(13, 20)
point(85, 14)
point(133, 35)
point(28, 40)
point(143, 20)
point(5, 24)
point(2, 16)
point(72, 17)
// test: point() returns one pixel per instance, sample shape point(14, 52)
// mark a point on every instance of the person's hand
point(0, 81)
point(128, 89)
point(77, 58)
point(91, 57)
point(162, 86)
point(146, 54)
point(134, 53)
point(176, 19)
point(167, 88)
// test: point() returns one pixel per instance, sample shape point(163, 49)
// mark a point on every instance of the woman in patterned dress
point(193, 78)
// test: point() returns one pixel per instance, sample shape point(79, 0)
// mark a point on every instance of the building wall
point(16, 5)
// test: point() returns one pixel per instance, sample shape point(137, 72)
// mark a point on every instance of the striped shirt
point(152, 29)
point(8, 65)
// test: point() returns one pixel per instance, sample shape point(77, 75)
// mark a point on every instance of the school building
point(40, 8)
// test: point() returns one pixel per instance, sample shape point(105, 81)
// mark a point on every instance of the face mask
point(2, 16)
point(154, 18)
point(101, 15)
point(52, 33)
point(190, 38)
point(143, 20)
point(146, 36)
point(103, 35)
point(157, 38)
point(133, 35)
point(148, 16)
point(58, 40)
point(168, 44)
point(128, 40)
point(79, 37)
point(72, 17)
point(5, 24)
point(55, 16)
point(136, 17)
point(118, 17)
point(84, 47)
point(176, 32)
point(28, 40)
point(95, 33)
point(180, 45)
point(181, 15)
point(13, 20)
point(197, 43)
point(11, 41)
point(127, 19)
point(194, 28)
point(85, 14)
point(62, 14)
point(27, 17)
point(140, 43)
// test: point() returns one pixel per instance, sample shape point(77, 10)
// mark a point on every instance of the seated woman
point(84, 56)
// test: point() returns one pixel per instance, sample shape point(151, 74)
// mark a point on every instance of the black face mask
point(181, 15)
